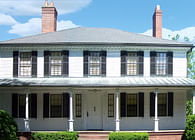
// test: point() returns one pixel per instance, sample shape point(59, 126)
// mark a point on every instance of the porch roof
point(98, 82)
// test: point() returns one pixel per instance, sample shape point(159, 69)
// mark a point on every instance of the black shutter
point(33, 104)
point(152, 63)
point(123, 63)
point(123, 104)
point(85, 54)
point(141, 104)
point(65, 64)
point(46, 63)
point(15, 63)
point(46, 105)
point(15, 105)
point(152, 104)
point(103, 62)
point(170, 104)
point(66, 105)
point(140, 62)
point(34, 63)
point(170, 63)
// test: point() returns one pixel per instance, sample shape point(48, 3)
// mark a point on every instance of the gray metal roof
point(85, 35)
point(99, 82)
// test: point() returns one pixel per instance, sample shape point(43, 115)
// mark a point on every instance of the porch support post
point(26, 120)
point(117, 111)
point(71, 128)
point(156, 120)
point(193, 101)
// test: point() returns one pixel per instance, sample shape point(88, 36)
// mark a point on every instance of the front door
point(94, 112)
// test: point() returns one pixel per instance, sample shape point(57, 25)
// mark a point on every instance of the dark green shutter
point(46, 105)
point(46, 63)
point(65, 63)
point(152, 104)
point(141, 104)
point(103, 63)
point(170, 63)
point(123, 104)
point(33, 105)
point(170, 103)
point(66, 105)
point(14, 105)
point(123, 63)
point(15, 63)
point(140, 55)
point(152, 63)
point(85, 54)
point(34, 63)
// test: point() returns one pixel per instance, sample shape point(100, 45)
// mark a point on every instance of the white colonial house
point(94, 79)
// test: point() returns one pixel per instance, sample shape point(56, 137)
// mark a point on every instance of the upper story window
point(161, 63)
point(94, 63)
point(56, 63)
point(25, 64)
point(131, 63)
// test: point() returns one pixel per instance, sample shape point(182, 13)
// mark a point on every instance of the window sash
point(55, 62)
point(25, 64)
point(132, 108)
point(110, 105)
point(94, 64)
point(132, 63)
point(161, 64)
point(78, 105)
point(162, 104)
point(56, 105)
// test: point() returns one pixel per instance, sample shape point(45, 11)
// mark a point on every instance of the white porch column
point(156, 120)
point(71, 128)
point(194, 101)
point(117, 111)
point(26, 120)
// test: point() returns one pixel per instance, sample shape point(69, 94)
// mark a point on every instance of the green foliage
point(128, 136)
point(191, 65)
point(176, 37)
point(190, 128)
point(8, 127)
point(189, 107)
point(54, 136)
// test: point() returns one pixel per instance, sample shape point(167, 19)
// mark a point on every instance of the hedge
point(54, 136)
point(8, 127)
point(190, 128)
point(128, 136)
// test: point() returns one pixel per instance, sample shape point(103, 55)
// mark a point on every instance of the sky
point(19, 18)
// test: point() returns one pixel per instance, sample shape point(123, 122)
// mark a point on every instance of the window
point(94, 63)
point(25, 64)
point(78, 105)
point(162, 104)
point(161, 63)
point(110, 105)
point(131, 105)
point(55, 64)
point(22, 103)
point(56, 105)
point(131, 63)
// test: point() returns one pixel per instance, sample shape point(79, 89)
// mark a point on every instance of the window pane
point(94, 63)
point(162, 104)
point(56, 64)
point(78, 105)
point(22, 103)
point(161, 64)
point(132, 63)
point(131, 105)
point(56, 105)
point(110, 105)
point(25, 63)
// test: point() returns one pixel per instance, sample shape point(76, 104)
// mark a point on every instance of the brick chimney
point(157, 22)
point(49, 17)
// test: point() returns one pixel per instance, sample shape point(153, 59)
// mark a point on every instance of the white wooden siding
point(40, 64)
point(146, 63)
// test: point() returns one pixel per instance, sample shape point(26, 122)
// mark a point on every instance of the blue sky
point(20, 18)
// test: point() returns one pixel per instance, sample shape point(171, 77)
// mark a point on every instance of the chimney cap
point(157, 7)
point(48, 5)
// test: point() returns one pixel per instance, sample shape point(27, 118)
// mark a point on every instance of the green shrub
point(189, 107)
point(190, 128)
point(8, 127)
point(54, 136)
point(128, 136)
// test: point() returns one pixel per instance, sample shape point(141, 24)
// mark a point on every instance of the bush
point(189, 107)
point(8, 127)
point(54, 136)
point(128, 136)
point(190, 128)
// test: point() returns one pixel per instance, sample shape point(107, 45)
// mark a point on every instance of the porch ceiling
point(98, 82)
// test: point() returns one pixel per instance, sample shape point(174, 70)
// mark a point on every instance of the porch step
point(93, 135)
